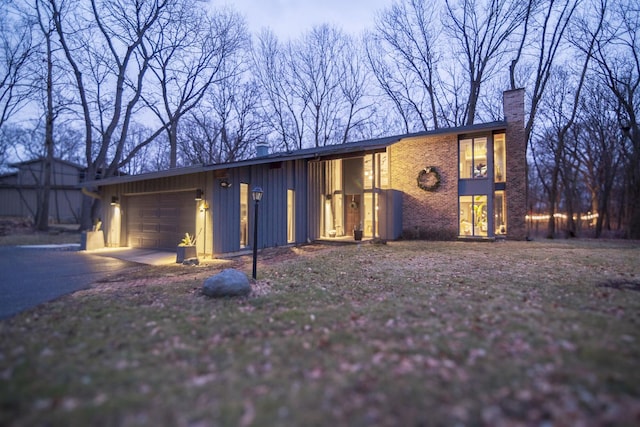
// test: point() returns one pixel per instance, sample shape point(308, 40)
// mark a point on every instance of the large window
point(349, 195)
point(499, 158)
point(244, 215)
point(474, 220)
point(333, 200)
point(473, 158)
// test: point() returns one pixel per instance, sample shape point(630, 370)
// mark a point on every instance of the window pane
point(384, 170)
point(466, 158)
point(480, 158)
point(480, 218)
point(473, 216)
point(244, 214)
point(466, 215)
point(370, 215)
point(368, 171)
point(333, 200)
point(291, 217)
point(500, 208)
point(499, 157)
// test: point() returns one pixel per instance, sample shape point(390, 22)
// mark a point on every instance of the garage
point(160, 220)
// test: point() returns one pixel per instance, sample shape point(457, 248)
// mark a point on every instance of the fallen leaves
point(404, 333)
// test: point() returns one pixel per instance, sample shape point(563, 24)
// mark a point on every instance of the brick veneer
point(516, 190)
point(427, 213)
point(435, 214)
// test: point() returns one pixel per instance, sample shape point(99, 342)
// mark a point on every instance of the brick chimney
point(262, 149)
point(516, 186)
point(513, 106)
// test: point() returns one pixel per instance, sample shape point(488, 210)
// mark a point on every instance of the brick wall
point(516, 189)
point(427, 214)
point(435, 214)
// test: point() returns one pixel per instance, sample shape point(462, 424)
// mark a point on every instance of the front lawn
point(408, 333)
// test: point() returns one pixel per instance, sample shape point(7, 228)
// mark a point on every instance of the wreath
point(429, 179)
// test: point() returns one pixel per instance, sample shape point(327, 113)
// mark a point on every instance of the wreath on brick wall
point(429, 179)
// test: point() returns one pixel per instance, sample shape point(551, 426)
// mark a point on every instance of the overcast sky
point(291, 18)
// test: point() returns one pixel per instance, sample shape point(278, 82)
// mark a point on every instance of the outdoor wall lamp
point(114, 200)
point(198, 194)
point(224, 183)
point(256, 193)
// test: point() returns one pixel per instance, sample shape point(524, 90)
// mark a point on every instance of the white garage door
point(160, 220)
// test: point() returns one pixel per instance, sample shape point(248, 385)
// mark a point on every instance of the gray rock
point(228, 283)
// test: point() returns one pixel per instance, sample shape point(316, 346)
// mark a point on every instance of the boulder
point(228, 283)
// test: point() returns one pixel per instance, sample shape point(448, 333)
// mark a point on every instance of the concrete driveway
point(30, 276)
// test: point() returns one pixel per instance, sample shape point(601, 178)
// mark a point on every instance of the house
point(466, 182)
point(21, 190)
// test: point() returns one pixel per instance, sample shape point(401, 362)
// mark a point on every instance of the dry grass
point(409, 333)
point(17, 231)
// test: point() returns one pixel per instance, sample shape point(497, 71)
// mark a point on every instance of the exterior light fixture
point(198, 194)
point(114, 200)
point(224, 183)
point(256, 193)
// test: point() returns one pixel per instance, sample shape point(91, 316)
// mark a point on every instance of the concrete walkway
point(140, 256)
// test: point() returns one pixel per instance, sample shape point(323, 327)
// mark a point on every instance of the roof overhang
point(351, 149)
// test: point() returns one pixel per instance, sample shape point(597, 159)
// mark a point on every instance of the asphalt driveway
point(31, 276)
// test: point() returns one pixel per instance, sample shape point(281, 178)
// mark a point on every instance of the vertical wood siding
point(315, 188)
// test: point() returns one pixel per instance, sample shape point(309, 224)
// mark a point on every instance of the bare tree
point(404, 56)
point(225, 127)
point(16, 51)
point(600, 151)
point(13, 137)
point(483, 31)
point(554, 144)
point(314, 88)
point(191, 50)
point(318, 70)
point(355, 92)
point(146, 158)
point(543, 36)
point(47, 31)
point(617, 54)
point(103, 43)
point(283, 108)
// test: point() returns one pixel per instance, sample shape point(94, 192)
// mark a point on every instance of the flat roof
point(368, 145)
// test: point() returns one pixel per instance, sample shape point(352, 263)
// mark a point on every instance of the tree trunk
point(42, 223)
point(173, 143)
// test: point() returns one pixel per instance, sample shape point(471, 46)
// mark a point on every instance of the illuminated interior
point(350, 195)
point(291, 216)
point(499, 158)
point(500, 212)
point(473, 158)
point(474, 221)
point(244, 215)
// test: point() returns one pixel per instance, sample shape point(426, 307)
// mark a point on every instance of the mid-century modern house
point(466, 182)
point(21, 190)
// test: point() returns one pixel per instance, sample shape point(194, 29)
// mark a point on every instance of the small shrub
point(429, 233)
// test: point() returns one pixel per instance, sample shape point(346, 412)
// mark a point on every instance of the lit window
point(244, 215)
point(473, 158)
point(473, 216)
point(291, 216)
point(500, 211)
point(499, 158)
